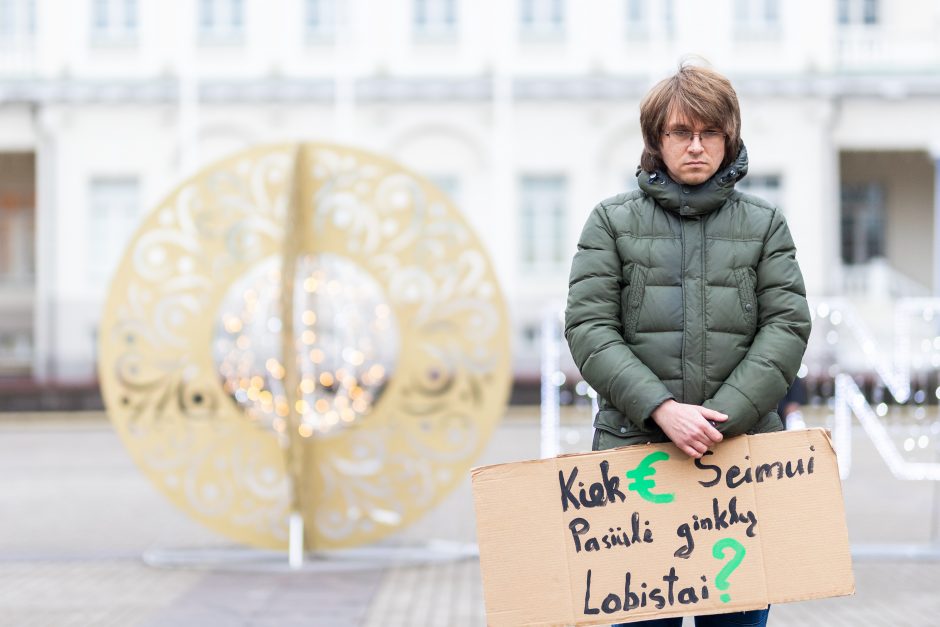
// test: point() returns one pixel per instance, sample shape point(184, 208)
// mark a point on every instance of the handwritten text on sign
point(639, 490)
point(645, 532)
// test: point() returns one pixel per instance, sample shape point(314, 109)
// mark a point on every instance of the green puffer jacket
point(689, 293)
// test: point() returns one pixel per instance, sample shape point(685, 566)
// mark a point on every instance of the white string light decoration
point(895, 370)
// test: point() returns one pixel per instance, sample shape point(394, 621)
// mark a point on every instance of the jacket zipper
point(682, 223)
point(704, 315)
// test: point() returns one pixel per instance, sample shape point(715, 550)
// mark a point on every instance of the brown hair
point(698, 94)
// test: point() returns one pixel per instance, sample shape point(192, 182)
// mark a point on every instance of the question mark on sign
point(721, 580)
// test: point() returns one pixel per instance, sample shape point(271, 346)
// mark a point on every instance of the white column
point(46, 299)
point(344, 67)
point(188, 96)
point(935, 155)
point(502, 161)
point(550, 407)
point(830, 177)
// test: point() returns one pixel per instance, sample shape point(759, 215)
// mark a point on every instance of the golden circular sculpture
point(392, 323)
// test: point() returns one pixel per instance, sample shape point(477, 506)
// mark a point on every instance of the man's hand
point(689, 426)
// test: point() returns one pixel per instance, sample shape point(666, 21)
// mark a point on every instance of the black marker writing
point(644, 596)
point(615, 537)
point(735, 476)
point(598, 493)
point(721, 519)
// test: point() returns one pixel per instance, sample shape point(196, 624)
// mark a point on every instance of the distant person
point(686, 307)
point(790, 407)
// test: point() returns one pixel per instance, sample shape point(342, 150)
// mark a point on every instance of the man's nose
point(696, 144)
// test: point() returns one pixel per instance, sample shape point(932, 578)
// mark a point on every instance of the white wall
point(798, 116)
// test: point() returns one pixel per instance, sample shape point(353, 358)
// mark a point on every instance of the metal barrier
point(895, 368)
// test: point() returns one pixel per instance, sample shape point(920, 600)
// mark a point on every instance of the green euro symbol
point(642, 485)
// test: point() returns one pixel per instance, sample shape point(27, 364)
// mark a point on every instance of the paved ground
point(76, 517)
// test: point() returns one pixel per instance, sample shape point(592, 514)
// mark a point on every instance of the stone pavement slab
point(240, 599)
point(76, 516)
point(81, 593)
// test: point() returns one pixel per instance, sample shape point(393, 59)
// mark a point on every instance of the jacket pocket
point(634, 299)
point(612, 429)
point(747, 295)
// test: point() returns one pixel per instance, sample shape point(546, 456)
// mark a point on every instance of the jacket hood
point(694, 200)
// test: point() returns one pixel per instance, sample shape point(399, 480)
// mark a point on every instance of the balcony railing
point(877, 279)
point(866, 48)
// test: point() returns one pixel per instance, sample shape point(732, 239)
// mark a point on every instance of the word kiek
point(598, 494)
point(607, 490)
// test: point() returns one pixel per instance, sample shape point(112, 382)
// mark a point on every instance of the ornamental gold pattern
point(400, 363)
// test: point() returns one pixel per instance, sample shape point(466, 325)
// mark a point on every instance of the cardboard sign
point(646, 532)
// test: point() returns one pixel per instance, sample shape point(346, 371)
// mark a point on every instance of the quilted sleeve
point(594, 328)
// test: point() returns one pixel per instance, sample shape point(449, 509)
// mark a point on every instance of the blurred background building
point(525, 111)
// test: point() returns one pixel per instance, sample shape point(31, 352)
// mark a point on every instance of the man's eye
point(711, 134)
point(680, 134)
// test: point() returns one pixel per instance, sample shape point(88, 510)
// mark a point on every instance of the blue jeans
point(754, 618)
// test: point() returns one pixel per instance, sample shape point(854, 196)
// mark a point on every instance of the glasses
point(684, 137)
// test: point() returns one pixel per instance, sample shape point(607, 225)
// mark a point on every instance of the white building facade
point(526, 111)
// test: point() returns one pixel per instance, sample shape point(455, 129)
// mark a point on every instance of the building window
point(320, 19)
point(112, 210)
point(542, 223)
point(858, 12)
point(645, 19)
point(221, 21)
point(435, 17)
point(17, 237)
point(863, 222)
point(542, 18)
point(637, 12)
point(756, 17)
point(114, 21)
point(766, 186)
point(669, 17)
point(17, 20)
point(16, 352)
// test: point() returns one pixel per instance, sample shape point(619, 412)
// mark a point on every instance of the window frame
point(17, 22)
point(542, 19)
point(536, 218)
point(441, 19)
point(757, 19)
point(119, 223)
point(227, 29)
point(115, 29)
point(858, 13)
point(324, 28)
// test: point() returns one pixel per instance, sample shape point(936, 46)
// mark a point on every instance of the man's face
point(694, 160)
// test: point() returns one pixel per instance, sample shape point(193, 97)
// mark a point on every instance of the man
point(686, 307)
point(790, 406)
